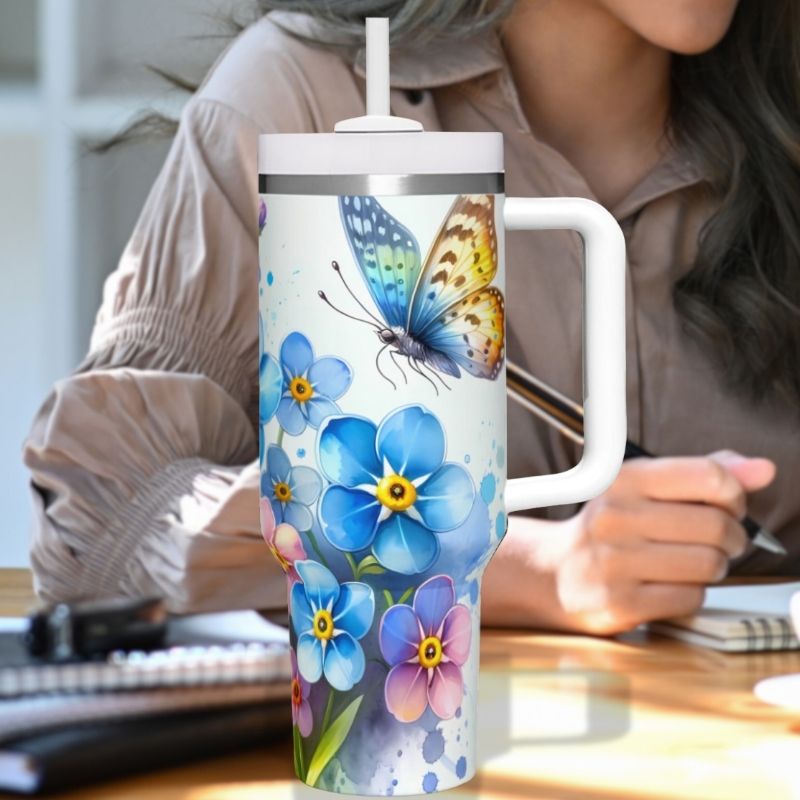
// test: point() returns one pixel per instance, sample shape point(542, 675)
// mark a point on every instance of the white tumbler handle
point(604, 424)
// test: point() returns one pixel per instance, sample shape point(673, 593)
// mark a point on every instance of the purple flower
point(262, 214)
point(426, 645)
point(301, 708)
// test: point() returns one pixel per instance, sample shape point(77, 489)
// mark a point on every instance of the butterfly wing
point(454, 310)
point(471, 332)
point(386, 252)
point(462, 259)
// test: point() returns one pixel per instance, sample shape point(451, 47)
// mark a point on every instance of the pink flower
point(426, 645)
point(283, 541)
point(301, 708)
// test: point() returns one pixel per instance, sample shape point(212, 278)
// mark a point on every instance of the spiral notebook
point(204, 650)
point(739, 618)
point(221, 683)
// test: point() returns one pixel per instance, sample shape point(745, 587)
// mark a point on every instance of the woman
point(681, 117)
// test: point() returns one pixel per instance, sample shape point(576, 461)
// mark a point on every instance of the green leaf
point(369, 566)
point(331, 740)
point(326, 718)
point(388, 597)
point(298, 753)
point(406, 594)
point(375, 569)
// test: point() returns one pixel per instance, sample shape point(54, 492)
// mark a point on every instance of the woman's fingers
point(752, 473)
point(679, 523)
point(694, 479)
point(672, 563)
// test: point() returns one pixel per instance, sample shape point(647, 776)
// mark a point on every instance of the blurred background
point(74, 73)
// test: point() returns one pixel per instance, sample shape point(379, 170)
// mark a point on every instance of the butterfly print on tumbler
point(441, 316)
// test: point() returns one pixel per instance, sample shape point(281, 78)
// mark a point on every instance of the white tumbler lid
point(379, 153)
point(379, 143)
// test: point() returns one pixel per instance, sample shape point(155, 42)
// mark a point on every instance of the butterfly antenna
point(416, 369)
point(338, 270)
point(324, 297)
point(380, 371)
point(393, 355)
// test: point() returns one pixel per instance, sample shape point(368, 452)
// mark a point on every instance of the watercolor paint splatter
point(488, 488)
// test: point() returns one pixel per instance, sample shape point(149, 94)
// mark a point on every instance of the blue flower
point(269, 394)
point(328, 619)
point(309, 386)
point(290, 490)
point(391, 488)
point(270, 388)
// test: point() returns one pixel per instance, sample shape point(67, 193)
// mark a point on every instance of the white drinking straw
point(378, 66)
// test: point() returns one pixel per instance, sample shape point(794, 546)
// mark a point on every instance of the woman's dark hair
point(414, 23)
point(736, 114)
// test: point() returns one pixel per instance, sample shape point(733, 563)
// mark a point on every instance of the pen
point(567, 417)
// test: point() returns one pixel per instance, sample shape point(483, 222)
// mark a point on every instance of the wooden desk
point(562, 717)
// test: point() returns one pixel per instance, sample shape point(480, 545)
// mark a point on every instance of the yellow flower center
point(283, 492)
point(323, 624)
point(430, 652)
point(396, 493)
point(301, 390)
point(285, 565)
point(297, 694)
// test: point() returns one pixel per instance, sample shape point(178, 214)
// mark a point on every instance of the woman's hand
point(643, 550)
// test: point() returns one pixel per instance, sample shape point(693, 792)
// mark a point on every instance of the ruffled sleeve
point(144, 462)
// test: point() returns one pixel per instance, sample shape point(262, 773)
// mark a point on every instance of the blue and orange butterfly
point(443, 316)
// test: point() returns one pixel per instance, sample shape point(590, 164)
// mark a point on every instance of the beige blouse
point(144, 461)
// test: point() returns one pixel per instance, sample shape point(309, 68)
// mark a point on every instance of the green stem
point(388, 596)
point(406, 594)
point(353, 566)
point(300, 754)
point(313, 540)
point(279, 440)
point(326, 718)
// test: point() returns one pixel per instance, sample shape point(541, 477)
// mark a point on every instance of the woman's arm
point(144, 483)
point(644, 550)
point(143, 463)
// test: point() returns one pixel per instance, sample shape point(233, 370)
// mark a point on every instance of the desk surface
point(561, 717)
